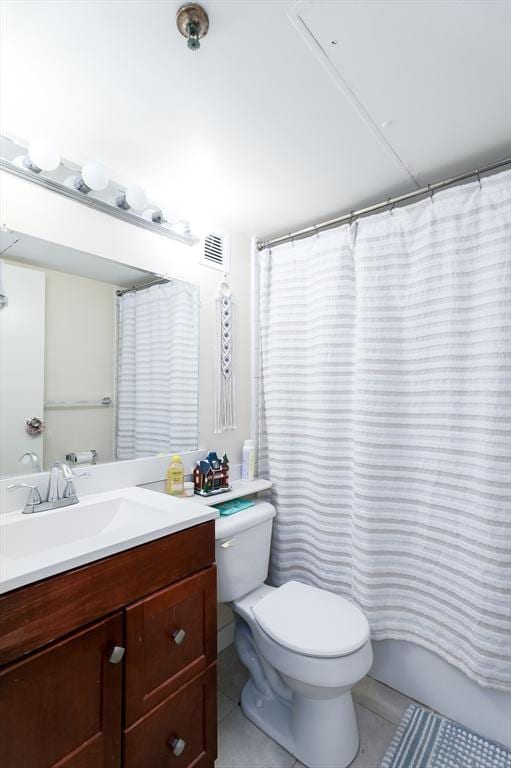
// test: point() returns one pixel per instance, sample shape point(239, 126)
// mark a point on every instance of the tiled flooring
point(242, 745)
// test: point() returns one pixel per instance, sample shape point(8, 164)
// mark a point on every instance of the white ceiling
point(269, 126)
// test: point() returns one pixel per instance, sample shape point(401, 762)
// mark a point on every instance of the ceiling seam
point(317, 49)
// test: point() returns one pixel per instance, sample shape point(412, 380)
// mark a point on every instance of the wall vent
point(215, 251)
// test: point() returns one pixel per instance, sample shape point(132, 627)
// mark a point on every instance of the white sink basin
point(39, 545)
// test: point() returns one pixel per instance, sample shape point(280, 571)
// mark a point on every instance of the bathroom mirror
point(99, 361)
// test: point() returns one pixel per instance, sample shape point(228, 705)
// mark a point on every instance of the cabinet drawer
point(188, 716)
point(61, 707)
point(170, 638)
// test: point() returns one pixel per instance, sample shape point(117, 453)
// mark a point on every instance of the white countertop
point(33, 547)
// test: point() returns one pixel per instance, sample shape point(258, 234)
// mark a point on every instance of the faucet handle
point(34, 496)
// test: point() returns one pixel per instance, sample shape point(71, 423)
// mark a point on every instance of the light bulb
point(134, 197)
point(166, 215)
point(41, 156)
point(92, 178)
point(185, 227)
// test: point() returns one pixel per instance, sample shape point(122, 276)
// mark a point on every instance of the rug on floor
point(424, 739)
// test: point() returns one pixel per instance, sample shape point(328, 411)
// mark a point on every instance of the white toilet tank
point(243, 550)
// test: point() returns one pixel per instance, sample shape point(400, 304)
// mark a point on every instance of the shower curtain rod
point(135, 288)
point(391, 201)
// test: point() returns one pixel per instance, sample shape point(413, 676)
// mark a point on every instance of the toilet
point(304, 647)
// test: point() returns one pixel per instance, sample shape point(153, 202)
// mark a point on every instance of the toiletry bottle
point(175, 476)
point(248, 460)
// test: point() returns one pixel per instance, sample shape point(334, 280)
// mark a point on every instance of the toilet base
point(321, 733)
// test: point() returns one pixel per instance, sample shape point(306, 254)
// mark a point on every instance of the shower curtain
point(158, 370)
point(384, 420)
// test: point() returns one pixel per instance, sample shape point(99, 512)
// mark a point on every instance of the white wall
point(80, 361)
point(34, 211)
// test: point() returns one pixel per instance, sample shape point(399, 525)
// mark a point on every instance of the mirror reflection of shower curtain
point(158, 370)
point(384, 420)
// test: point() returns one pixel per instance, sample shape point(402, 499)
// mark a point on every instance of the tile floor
point(242, 745)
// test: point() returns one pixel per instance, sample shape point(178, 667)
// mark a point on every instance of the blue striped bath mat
point(424, 739)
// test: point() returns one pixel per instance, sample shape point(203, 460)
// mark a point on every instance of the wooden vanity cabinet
point(62, 706)
point(73, 699)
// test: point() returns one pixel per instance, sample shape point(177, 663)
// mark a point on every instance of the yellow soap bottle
point(175, 476)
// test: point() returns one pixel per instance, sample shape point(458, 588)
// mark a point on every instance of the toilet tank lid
point(242, 521)
point(312, 621)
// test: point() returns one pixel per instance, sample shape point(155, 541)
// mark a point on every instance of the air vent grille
point(214, 248)
point(215, 251)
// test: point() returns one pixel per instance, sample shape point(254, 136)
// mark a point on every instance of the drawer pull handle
point(178, 746)
point(178, 636)
point(116, 654)
point(229, 543)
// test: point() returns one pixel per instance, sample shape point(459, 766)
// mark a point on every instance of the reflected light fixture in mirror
point(41, 156)
point(92, 178)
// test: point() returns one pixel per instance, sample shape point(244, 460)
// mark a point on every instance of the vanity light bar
point(90, 186)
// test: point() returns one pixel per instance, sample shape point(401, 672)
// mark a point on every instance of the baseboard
point(225, 636)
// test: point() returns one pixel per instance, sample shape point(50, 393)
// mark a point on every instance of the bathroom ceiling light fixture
point(134, 197)
point(41, 156)
point(92, 178)
point(193, 23)
point(89, 185)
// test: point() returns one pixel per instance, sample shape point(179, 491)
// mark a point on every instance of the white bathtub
point(426, 677)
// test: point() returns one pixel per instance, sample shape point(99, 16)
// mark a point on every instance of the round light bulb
point(43, 155)
point(168, 214)
point(94, 176)
point(136, 198)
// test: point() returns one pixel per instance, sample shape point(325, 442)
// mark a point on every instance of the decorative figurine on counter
point(211, 475)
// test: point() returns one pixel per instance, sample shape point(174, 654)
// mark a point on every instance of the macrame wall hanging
point(225, 414)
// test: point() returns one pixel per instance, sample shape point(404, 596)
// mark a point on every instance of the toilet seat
point(312, 621)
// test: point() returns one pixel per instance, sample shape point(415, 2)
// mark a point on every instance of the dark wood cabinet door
point(180, 732)
point(170, 638)
point(61, 707)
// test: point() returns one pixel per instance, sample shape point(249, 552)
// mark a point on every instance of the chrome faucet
point(61, 469)
point(33, 458)
point(55, 497)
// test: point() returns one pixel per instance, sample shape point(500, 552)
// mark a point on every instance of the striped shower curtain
point(158, 370)
point(384, 420)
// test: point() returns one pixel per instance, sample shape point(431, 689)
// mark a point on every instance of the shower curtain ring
point(431, 192)
point(391, 205)
point(292, 240)
point(352, 215)
point(317, 233)
point(478, 177)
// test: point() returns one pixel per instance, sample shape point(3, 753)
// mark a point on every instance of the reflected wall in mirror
point(98, 361)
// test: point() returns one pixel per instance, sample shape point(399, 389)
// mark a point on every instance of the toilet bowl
point(304, 647)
